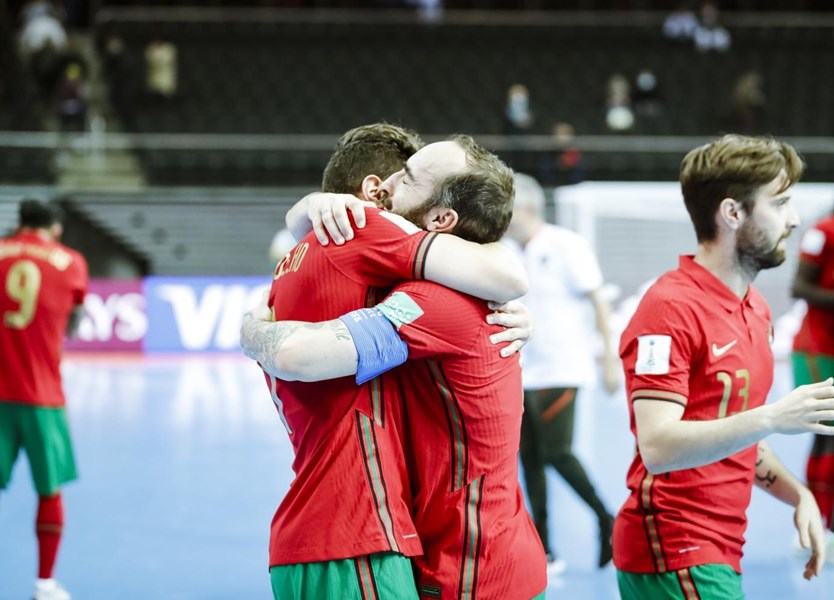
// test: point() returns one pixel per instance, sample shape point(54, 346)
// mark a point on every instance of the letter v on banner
point(186, 313)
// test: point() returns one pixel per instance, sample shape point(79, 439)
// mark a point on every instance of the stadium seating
point(306, 76)
point(18, 112)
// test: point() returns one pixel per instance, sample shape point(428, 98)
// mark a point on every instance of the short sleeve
point(386, 251)
point(433, 320)
point(657, 350)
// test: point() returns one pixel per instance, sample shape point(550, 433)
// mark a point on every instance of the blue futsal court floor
point(183, 461)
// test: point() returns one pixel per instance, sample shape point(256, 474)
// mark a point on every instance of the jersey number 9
point(23, 282)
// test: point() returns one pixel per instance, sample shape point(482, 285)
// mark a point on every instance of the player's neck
point(44, 234)
point(724, 264)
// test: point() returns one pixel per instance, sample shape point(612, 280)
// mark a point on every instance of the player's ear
point(441, 219)
point(371, 187)
point(731, 213)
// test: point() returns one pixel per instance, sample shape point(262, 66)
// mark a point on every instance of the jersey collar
point(715, 287)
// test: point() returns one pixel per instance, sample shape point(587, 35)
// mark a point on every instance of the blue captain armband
point(379, 346)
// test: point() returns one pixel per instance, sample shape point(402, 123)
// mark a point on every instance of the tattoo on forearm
point(768, 479)
point(341, 332)
point(263, 340)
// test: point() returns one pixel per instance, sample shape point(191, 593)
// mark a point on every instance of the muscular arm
point(806, 286)
point(774, 478)
point(299, 351)
point(487, 271)
point(668, 443)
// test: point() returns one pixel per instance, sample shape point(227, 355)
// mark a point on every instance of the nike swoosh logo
point(723, 349)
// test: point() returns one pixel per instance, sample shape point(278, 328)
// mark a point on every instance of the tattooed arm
point(773, 477)
point(297, 350)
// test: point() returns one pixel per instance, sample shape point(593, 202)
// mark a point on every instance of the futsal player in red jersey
point(42, 287)
point(344, 528)
point(698, 369)
point(813, 350)
point(462, 404)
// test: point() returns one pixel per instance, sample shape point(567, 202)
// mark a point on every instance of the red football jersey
point(349, 496)
point(694, 342)
point(41, 282)
point(816, 334)
point(463, 406)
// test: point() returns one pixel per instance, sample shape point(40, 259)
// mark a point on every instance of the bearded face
point(757, 250)
point(417, 214)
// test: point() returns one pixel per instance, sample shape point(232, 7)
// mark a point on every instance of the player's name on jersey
point(57, 257)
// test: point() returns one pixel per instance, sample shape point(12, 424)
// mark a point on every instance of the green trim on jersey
point(457, 428)
point(373, 469)
point(811, 368)
point(43, 433)
point(382, 576)
point(702, 582)
point(471, 541)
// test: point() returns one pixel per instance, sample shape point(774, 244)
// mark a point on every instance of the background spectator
point(748, 103)
point(518, 115)
point(681, 23)
point(710, 35)
point(647, 99)
point(619, 114)
point(161, 64)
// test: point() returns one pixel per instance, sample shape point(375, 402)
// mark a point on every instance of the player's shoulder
point(663, 299)
point(382, 219)
point(63, 258)
point(428, 293)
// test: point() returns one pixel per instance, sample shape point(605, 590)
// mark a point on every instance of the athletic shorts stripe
point(472, 540)
point(365, 578)
point(418, 269)
point(457, 428)
point(690, 592)
point(373, 469)
point(650, 524)
point(713, 581)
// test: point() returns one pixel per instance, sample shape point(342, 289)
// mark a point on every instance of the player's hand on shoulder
point(328, 214)
point(517, 322)
point(804, 409)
